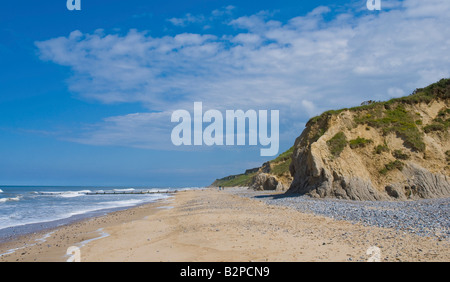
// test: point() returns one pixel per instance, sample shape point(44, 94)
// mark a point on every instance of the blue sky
point(86, 96)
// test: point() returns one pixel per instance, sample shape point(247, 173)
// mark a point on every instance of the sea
point(29, 209)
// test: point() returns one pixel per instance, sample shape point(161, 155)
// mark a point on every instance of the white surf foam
point(124, 190)
point(4, 200)
point(66, 194)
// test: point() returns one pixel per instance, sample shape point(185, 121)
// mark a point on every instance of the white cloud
point(187, 19)
point(223, 11)
point(300, 67)
point(319, 11)
point(140, 130)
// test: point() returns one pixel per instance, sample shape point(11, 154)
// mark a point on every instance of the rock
point(361, 173)
point(395, 191)
point(312, 177)
point(394, 151)
point(264, 181)
point(424, 184)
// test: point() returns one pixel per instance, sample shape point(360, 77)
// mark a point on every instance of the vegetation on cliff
point(363, 152)
point(278, 167)
point(392, 116)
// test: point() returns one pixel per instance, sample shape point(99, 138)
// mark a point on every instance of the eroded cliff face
point(393, 150)
point(273, 175)
point(264, 181)
point(382, 151)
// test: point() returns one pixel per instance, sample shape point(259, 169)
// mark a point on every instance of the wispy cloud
point(224, 11)
point(139, 130)
point(187, 19)
point(301, 66)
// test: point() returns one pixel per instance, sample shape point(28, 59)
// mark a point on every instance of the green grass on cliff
point(284, 156)
point(436, 90)
point(397, 120)
point(391, 166)
point(337, 143)
point(279, 166)
point(440, 123)
point(359, 142)
point(392, 117)
point(242, 180)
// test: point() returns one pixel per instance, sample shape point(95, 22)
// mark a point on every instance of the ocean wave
point(157, 190)
point(66, 194)
point(1, 191)
point(108, 205)
point(4, 200)
point(124, 190)
point(123, 203)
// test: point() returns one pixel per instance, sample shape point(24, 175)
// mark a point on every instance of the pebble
point(427, 217)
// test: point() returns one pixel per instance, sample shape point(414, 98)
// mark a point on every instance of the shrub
point(281, 168)
point(319, 133)
point(359, 142)
point(398, 154)
point(396, 120)
point(433, 127)
point(337, 143)
point(381, 148)
point(392, 165)
point(443, 112)
point(440, 123)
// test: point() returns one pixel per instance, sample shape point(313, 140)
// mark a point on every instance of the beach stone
point(396, 192)
point(264, 181)
point(424, 217)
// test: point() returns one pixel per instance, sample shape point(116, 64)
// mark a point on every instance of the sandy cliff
point(383, 150)
point(393, 150)
point(272, 175)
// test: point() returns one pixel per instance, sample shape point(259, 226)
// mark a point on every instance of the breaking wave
point(4, 200)
point(66, 194)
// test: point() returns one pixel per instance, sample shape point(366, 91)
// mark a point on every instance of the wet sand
point(212, 225)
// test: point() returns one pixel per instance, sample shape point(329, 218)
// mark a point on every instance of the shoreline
point(12, 233)
point(51, 243)
point(212, 225)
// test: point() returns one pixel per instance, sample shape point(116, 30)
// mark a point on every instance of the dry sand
point(212, 225)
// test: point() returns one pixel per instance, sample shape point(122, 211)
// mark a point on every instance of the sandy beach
point(217, 226)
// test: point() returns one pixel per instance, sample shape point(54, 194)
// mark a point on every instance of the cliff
point(398, 149)
point(272, 175)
